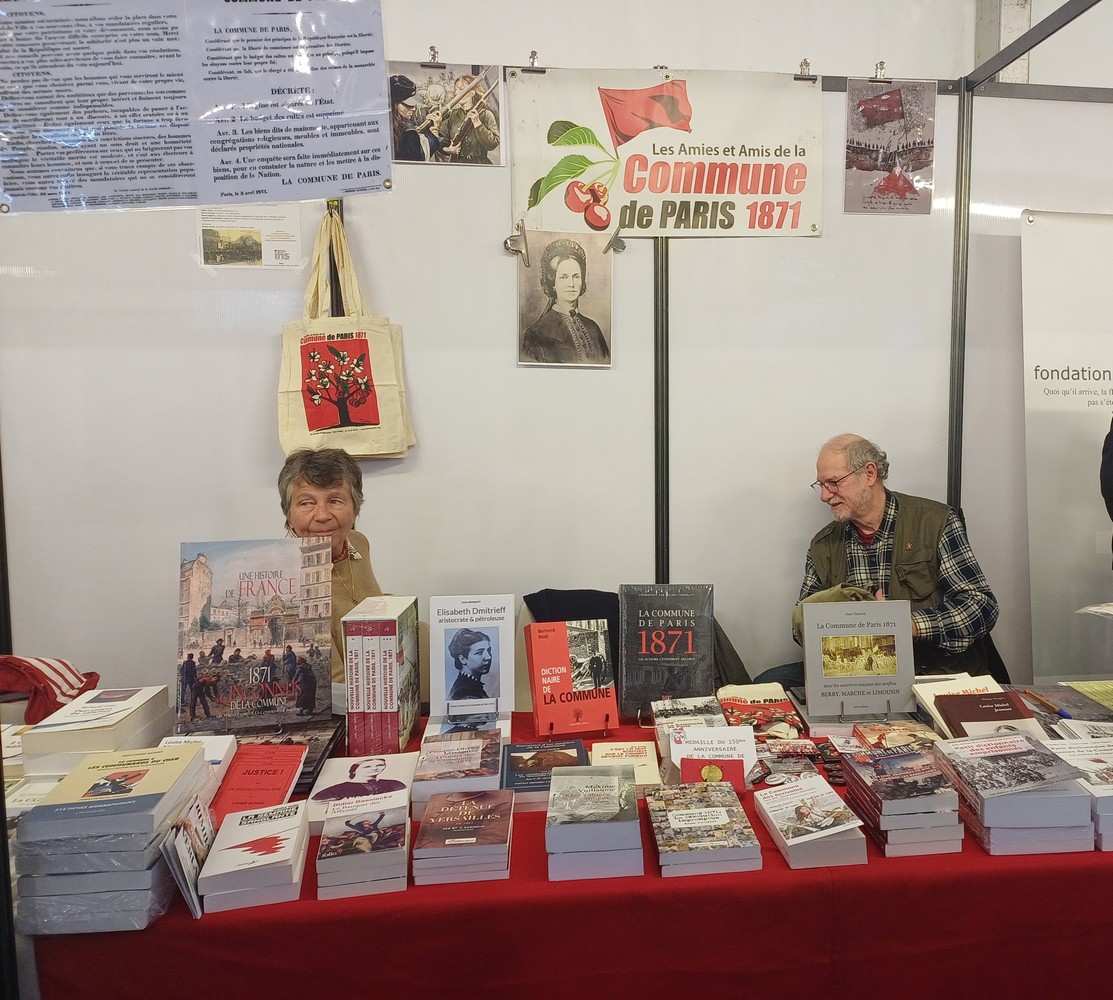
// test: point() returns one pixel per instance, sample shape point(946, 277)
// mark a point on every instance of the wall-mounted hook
point(805, 71)
point(434, 59)
point(518, 243)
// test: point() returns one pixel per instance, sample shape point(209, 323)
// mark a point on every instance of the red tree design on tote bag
point(339, 387)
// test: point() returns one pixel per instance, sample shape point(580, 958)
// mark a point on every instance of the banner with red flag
point(666, 153)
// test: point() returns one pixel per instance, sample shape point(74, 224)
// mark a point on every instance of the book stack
point(365, 846)
point(591, 825)
point(1080, 729)
point(88, 854)
point(456, 762)
point(908, 805)
point(464, 837)
point(185, 849)
point(927, 689)
point(257, 858)
point(20, 794)
point(218, 751)
point(670, 712)
point(258, 776)
point(701, 829)
point(987, 714)
point(369, 779)
point(810, 824)
point(1094, 758)
point(639, 754)
point(321, 737)
point(1016, 796)
point(779, 761)
point(904, 733)
point(11, 743)
point(381, 674)
point(106, 719)
point(527, 769)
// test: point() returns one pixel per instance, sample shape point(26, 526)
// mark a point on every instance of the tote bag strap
point(318, 289)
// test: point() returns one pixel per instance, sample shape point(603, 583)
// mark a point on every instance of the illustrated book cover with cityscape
point(254, 633)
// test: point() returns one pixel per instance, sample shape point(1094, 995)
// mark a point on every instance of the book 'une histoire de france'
point(254, 634)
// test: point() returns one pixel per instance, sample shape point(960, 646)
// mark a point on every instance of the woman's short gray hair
point(324, 468)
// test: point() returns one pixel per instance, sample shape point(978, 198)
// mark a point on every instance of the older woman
point(562, 335)
point(322, 493)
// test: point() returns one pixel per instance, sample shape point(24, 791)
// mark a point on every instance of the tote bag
point(341, 383)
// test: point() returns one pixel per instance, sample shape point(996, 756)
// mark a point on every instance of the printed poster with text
point(666, 152)
point(1068, 404)
point(129, 104)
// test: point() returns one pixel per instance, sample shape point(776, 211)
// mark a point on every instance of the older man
point(898, 547)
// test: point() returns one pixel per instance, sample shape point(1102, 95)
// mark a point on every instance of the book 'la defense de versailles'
point(858, 658)
point(666, 644)
point(471, 662)
point(254, 633)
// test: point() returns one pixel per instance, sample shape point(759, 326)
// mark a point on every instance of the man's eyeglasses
point(832, 485)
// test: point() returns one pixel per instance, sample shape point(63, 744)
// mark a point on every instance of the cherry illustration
point(599, 192)
point(597, 216)
point(577, 197)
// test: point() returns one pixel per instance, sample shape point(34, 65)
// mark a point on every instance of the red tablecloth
point(964, 925)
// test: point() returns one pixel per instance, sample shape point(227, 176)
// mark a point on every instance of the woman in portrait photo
point(562, 335)
point(363, 779)
point(472, 657)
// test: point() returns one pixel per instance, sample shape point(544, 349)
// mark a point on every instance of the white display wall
point(137, 388)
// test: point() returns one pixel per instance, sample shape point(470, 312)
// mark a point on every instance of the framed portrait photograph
point(564, 301)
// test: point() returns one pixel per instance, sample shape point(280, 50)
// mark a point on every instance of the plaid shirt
point(969, 608)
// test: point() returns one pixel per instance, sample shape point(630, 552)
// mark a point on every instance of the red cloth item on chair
point(49, 684)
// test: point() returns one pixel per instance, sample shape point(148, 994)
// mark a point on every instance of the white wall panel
point(137, 388)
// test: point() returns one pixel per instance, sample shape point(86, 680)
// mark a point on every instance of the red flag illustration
point(261, 846)
point(631, 112)
point(887, 107)
point(896, 182)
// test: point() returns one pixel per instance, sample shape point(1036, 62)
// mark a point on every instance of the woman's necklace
point(350, 585)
